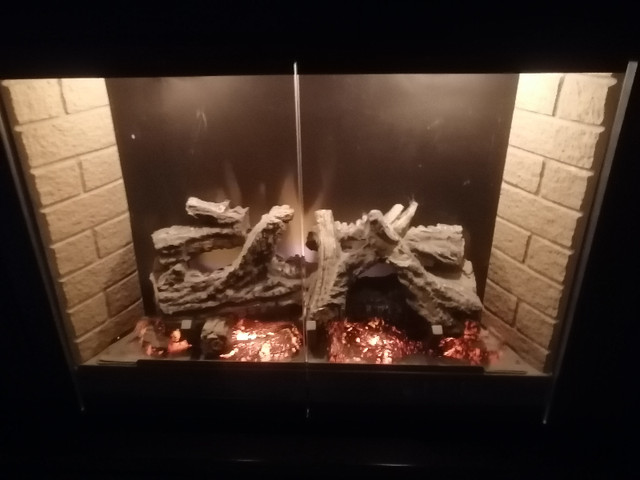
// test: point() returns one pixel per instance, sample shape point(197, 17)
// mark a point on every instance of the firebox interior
point(371, 219)
point(436, 143)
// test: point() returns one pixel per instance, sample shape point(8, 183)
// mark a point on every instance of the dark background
point(595, 413)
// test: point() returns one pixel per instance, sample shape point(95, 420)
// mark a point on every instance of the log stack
point(257, 278)
point(429, 262)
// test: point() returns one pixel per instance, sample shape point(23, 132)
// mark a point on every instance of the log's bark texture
point(252, 277)
point(370, 240)
point(346, 250)
point(438, 299)
point(440, 245)
point(180, 243)
point(217, 213)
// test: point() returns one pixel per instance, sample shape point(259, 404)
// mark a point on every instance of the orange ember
point(469, 347)
point(257, 341)
point(372, 342)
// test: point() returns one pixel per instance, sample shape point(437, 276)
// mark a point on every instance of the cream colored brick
point(123, 294)
point(89, 281)
point(500, 302)
point(535, 325)
point(533, 354)
point(523, 169)
point(537, 92)
point(31, 100)
point(67, 136)
point(100, 168)
point(97, 340)
point(57, 182)
point(548, 259)
point(510, 239)
point(565, 184)
point(583, 98)
point(86, 211)
point(84, 93)
point(562, 140)
point(524, 283)
point(75, 253)
point(538, 215)
point(88, 315)
point(113, 235)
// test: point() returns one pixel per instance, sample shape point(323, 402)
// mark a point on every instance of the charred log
point(180, 243)
point(437, 245)
point(217, 213)
point(346, 250)
point(338, 267)
point(246, 280)
point(436, 298)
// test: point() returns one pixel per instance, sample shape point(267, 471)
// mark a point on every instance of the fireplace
point(323, 229)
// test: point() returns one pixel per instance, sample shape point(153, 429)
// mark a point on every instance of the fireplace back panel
point(368, 142)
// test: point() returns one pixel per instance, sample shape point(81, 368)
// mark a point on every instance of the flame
point(257, 341)
point(372, 342)
point(469, 347)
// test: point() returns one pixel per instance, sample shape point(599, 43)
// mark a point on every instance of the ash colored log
point(352, 235)
point(338, 267)
point(393, 213)
point(180, 243)
point(346, 250)
point(437, 245)
point(403, 221)
point(217, 213)
point(438, 299)
point(247, 279)
point(329, 255)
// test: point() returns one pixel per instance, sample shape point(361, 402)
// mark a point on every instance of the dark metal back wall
point(368, 142)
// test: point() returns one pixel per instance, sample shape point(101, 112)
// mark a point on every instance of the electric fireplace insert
point(387, 238)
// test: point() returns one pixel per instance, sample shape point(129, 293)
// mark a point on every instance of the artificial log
point(438, 299)
point(329, 256)
point(441, 245)
point(180, 243)
point(402, 222)
point(345, 251)
point(338, 267)
point(251, 277)
point(217, 213)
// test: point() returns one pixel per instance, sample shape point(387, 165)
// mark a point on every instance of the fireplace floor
point(127, 351)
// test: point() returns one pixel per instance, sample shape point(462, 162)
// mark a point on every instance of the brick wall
point(65, 140)
point(555, 149)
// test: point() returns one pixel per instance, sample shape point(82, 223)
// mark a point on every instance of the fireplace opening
point(174, 213)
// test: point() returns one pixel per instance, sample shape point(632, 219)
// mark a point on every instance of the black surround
point(592, 408)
